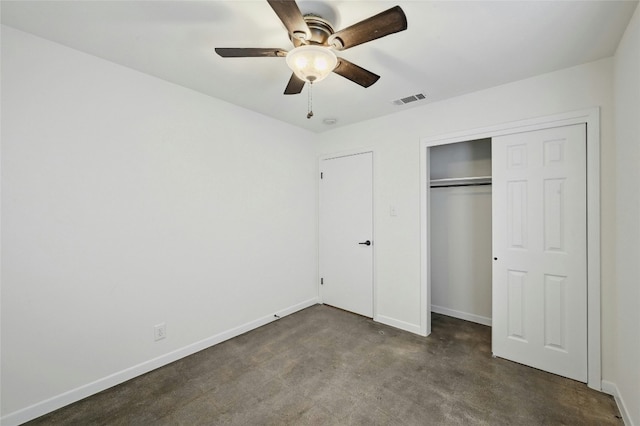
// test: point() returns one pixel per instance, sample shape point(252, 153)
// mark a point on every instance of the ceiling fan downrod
point(310, 101)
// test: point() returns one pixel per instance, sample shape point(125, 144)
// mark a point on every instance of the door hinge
point(321, 281)
point(321, 175)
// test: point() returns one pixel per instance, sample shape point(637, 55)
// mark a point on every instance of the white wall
point(461, 252)
point(128, 201)
point(627, 128)
point(395, 140)
point(461, 159)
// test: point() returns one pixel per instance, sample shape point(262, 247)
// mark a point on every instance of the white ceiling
point(449, 48)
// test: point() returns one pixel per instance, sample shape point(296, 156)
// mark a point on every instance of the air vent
point(409, 99)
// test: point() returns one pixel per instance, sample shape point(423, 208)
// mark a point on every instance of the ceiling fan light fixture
point(311, 63)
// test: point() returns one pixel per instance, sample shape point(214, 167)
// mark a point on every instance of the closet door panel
point(517, 214)
point(539, 249)
point(554, 215)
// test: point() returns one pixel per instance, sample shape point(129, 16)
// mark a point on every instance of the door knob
point(366, 243)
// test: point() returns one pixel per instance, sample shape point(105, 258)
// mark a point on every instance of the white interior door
point(346, 233)
point(540, 249)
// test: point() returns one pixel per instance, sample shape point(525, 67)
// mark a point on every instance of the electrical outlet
point(159, 331)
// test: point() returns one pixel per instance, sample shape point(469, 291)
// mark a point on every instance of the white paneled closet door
point(540, 249)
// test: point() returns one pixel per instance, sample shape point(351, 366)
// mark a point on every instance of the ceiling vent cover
point(409, 99)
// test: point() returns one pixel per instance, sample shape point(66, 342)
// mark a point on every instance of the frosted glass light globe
point(311, 63)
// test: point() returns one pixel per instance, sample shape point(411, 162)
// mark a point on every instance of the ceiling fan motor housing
point(320, 30)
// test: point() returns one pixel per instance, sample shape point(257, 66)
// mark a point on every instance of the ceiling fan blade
point(250, 52)
point(388, 22)
point(295, 85)
point(355, 73)
point(291, 17)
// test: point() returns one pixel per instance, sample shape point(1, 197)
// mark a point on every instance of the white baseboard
point(612, 389)
point(461, 315)
point(402, 325)
point(74, 395)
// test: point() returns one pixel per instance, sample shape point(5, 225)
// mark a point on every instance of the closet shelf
point(463, 181)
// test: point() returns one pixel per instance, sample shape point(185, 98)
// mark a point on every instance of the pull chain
point(310, 101)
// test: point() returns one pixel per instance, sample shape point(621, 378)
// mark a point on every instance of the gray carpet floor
point(324, 366)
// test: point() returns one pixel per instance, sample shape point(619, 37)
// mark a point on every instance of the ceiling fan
point(315, 42)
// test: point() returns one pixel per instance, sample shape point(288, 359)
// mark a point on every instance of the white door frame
point(373, 212)
point(591, 117)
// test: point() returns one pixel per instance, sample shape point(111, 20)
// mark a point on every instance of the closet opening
point(460, 230)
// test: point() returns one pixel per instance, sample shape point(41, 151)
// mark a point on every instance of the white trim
point(521, 126)
point(349, 153)
point(74, 395)
point(346, 153)
point(425, 237)
point(612, 389)
point(589, 116)
point(461, 315)
point(594, 355)
point(402, 325)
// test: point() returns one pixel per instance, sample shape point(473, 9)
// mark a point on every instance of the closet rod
point(461, 184)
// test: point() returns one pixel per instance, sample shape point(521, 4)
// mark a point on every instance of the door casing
point(590, 117)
